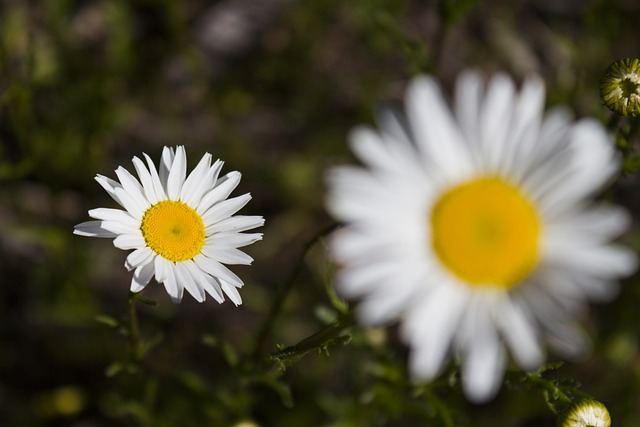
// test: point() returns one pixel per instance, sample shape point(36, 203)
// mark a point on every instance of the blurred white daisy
point(474, 227)
point(181, 228)
point(588, 413)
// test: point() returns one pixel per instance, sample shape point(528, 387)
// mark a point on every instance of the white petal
point(558, 326)
point(134, 206)
point(483, 370)
point(93, 229)
point(197, 182)
point(147, 181)
point(232, 239)
point(350, 244)
point(568, 339)
point(430, 327)
point(220, 192)
point(227, 255)
point(207, 282)
point(110, 187)
point(388, 155)
point(138, 258)
point(484, 361)
point(129, 241)
point(602, 261)
point(395, 126)
point(120, 227)
point(547, 176)
point(370, 148)
point(495, 119)
point(186, 280)
point(141, 277)
point(593, 163)
point(236, 224)
point(553, 135)
point(469, 88)
point(177, 174)
point(357, 281)
point(519, 332)
point(214, 172)
point(358, 195)
point(166, 162)
point(384, 304)
point(593, 225)
point(218, 270)
point(171, 285)
point(526, 127)
point(117, 215)
point(225, 209)
point(435, 131)
point(597, 288)
point(160, 266)
point(158, 186)
point(231, 291)
point(131, 185)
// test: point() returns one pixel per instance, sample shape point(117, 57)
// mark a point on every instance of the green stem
point(549, 388)
point(613, 123)
point(316, 341)
point(278, 302)
point(440, 407)
point(634, 129)
point(134, 331)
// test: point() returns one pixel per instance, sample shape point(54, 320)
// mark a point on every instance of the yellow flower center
point(486, 232)
point(173, 230)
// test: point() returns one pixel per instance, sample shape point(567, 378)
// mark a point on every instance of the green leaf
point(107, 320)
point(283, 390)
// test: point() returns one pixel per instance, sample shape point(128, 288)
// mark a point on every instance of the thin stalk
point(318, 340)
point(134, 331)
point(440, 407)
point(278, 302)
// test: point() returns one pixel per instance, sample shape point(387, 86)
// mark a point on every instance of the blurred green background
point(272, 87)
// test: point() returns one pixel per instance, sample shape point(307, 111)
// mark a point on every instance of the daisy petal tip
point(535, 82)
point(199, 297)
point(422, 82)
point(631, 264)
point(532, 361)
point(422, 372)
point(79, 230)
point(480, 393)
point(136, 287)
point(175, 300)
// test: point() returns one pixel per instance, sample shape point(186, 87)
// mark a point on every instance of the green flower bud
point(587, 413)
point(620, 87)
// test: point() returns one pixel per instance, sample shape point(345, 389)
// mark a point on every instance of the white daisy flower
point(474, 227)
point(181, 228)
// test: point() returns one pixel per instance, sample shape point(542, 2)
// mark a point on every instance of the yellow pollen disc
point(173, 230)
point(486, 232)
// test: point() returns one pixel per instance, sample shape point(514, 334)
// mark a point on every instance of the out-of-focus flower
point(475, 228)
point(182, 228)
point(588, 413)
point(620, 87)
